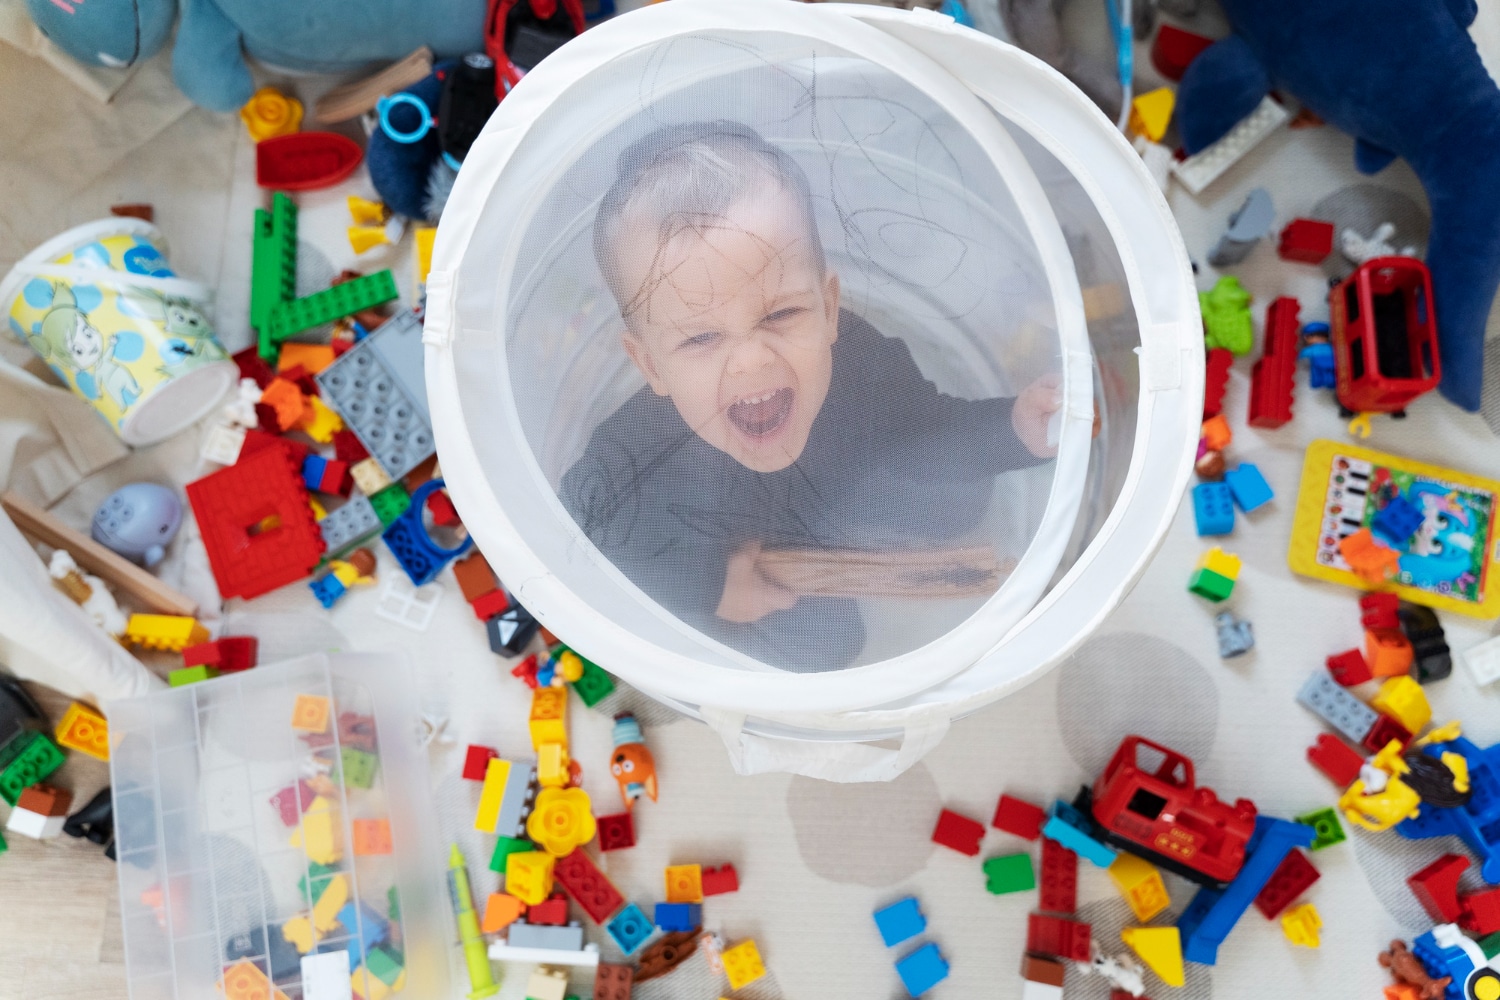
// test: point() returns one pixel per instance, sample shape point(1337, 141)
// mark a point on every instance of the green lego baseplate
point(273, 268)
point(364, 292)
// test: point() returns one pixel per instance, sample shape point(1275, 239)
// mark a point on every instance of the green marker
point(480, 976)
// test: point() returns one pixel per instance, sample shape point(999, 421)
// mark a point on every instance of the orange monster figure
point(631, 762)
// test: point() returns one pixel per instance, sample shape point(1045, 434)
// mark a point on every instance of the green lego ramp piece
point(273, 267)
point(365, 292)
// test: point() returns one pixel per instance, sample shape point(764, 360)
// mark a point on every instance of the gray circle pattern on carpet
point(1363, 207)
point(873, 833)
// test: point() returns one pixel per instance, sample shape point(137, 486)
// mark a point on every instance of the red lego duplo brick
point(1058, 937)
point(440, 506)
point(231, 653)
point(1172, 50)
point(336, 479)
point(477, 761)
point(347, 446)
point(1019, 817)
point(1059, 893)
point(616, 832)
point(613, 982)
point(251, 366)
point(1378, 611)
point(1272, 378)
point(1336, 759)
point(256, 524)
point(553, 911)
point(1481, 912)
point(960, 833)
point(292, 801)
point(525, 671)
point(1216, 367)
point(718, 881)
point(577, 874)
point(1349, 667)
point(487, 606)
point(1290, 880)
point(1307, 240)
point(1436, 888)
point(1385, 730)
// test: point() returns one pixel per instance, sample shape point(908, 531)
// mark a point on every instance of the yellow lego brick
point(1301, 925)
point(1226, 564)
point(552, 765)
point(492, 795)
point(362, 239)
point(1402, 699)
point(310, 713)
point(318, 834)
point(320, 427)
point(84, 730)
point(325, 914)
point(298, 932)
point(173, 633)
point(549, 716)
point(528, 876)
point(1160, 948)
point(244, 980)
point(684, 883)
point(742, 964)
point(547, 983)
point(368, 985)
point(319, 511)
point(424, 237)
point(1141, 885)
point(1151, 113)
point(365, 212)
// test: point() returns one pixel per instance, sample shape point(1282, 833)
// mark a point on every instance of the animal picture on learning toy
point(1429, 527)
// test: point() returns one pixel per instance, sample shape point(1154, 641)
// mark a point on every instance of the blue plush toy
point(1404, 78)
point(215, 36)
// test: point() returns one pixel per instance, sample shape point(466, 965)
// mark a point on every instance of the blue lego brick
point(1236, 636)
point(1250, 489)
point(366, 928)
point(1477, 822)
point(901, 921)
point(1213, 509)
point(1444, 960)
point(349, 525)
point(1213, 913)
point(1397, 521)
point(327, 589)
point(413, 548)
point(313, 468)
point(922, 969)
point(679, 916)
point(630, 929)
point(1322, 696)
point(1071, 828)
point(379, 389)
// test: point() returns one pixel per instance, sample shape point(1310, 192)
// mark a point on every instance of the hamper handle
point(829, 761)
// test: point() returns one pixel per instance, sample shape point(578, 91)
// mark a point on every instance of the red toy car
point(1146, 803)
point(1384, 335)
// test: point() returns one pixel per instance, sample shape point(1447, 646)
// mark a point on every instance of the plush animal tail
point(1463, 253)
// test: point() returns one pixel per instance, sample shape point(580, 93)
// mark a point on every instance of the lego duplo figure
point(772, 418)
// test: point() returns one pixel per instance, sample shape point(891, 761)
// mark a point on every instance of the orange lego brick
point(310, 713)
point(1368, 558)
point(1216, 433)
point(474, 576)
point(244, 980)
point(313, 357)
point(372, 836)
point(1388, 652)
point(500, 911)
point(684, 883)
point(45, 800)
point(288, 403)
point(84, 730)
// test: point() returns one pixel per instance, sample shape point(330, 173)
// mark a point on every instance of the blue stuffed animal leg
point(1463, 254)
point(207, 62)
point(1223, 85)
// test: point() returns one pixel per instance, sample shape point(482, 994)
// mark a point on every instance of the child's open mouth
point(763, 414)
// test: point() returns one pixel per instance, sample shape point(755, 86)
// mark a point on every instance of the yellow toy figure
point(1380, 799)
point(631, 762)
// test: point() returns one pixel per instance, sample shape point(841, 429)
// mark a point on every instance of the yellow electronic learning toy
point(1446, 560)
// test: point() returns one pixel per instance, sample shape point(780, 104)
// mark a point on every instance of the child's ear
point(640, 355)
point(831, 303)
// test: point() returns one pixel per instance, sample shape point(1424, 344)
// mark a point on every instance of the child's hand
point(748, 596)
point(1032, 412)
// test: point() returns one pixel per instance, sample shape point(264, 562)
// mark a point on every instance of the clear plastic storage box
point(271, 825)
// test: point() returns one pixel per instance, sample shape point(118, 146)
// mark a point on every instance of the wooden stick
point(354, 99)
point(922, 575)
point(109, 566)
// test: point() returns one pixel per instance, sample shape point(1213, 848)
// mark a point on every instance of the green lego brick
point(393, 905)
point(358, 767)
point(1214, 586)
point(504, 848)
point(1329, 830)
point(1009, 873)
point(191, 675)
point(1490, 945)
point(273, 267)
point(39, 758)
point(384, 965)
point(317, 878)
point(13, 747)
point(364, 292)
point(3, 845)
point(390, 503)
point(595, 685)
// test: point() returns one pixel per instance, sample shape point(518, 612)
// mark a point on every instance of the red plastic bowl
point(305, 161)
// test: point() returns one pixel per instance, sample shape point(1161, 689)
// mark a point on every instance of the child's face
point(736, 323)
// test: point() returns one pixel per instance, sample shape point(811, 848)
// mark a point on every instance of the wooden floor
point(59, 901)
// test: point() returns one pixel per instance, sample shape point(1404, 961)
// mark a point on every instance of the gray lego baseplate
point(378, 387)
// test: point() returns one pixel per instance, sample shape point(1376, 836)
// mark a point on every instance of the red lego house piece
point(1384, 335)
point(1307, 240)
point(256, 523)
point(1436, 887)
point(1146, 798)
point(1271, 379)
point(1173, 49)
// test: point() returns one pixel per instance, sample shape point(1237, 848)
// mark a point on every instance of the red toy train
point(1384, 335)
point(1153, 809)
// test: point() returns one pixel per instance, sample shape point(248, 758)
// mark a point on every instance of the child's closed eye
point(701, 340)
point(782, 315)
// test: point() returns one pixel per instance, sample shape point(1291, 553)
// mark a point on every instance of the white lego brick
point(1483, 661)
point(547, 984)
point(223, 444)
point(1204, 167)
point(587, 958)
point(34, 824)
point(326, 977)
point(1039, 991)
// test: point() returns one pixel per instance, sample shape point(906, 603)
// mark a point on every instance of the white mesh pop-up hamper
point(765, 346)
